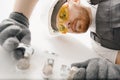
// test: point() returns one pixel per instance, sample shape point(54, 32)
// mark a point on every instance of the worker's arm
point(25, 6)
point(15, 29)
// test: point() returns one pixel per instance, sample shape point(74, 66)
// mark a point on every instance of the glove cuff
point(19, 17)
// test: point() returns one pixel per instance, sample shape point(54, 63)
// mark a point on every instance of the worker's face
point(73, 17)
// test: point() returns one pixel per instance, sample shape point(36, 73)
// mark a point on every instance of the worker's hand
point(88, 69)
point(14, 31)
point(96, 68)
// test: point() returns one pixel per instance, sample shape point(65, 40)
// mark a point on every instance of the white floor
point(70, 48)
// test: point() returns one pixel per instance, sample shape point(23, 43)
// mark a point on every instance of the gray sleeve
point(94, 2)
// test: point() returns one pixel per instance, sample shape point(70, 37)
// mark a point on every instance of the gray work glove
point(95, 69)
point(14, 31)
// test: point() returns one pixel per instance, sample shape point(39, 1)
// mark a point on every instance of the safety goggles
point(63, 17)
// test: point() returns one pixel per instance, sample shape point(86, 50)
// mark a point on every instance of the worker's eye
point(63, 14)
point(62, 29)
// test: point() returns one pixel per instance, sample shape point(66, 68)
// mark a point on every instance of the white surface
point(70, 48)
